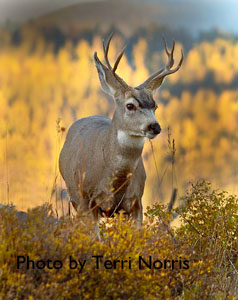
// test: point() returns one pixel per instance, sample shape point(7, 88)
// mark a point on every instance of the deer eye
point(130, 106)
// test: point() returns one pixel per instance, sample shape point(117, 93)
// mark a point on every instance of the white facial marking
point(126, 140)
point(132, 101)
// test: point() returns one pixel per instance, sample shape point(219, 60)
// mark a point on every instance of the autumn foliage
point(43, 92)
point(207, 240)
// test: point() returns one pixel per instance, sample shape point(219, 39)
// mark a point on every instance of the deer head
point(136, 107)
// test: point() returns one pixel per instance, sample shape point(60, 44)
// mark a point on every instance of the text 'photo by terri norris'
point(100, 262)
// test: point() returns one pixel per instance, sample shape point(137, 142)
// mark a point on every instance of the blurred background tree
point(48, 80)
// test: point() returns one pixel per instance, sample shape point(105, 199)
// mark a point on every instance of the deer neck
point(121, 150)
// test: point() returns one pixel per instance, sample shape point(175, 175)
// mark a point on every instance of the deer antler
point(156, 79)
point(113, 70)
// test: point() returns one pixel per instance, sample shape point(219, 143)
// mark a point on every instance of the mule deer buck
point(101, 160)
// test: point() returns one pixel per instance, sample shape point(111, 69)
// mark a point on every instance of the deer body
point(101, 159)
point(109, 158)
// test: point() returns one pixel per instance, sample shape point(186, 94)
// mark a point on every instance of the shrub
point(203, 250)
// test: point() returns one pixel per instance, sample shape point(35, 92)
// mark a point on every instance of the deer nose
point(155, 127)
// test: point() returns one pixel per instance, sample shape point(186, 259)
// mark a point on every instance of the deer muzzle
point(154, 128)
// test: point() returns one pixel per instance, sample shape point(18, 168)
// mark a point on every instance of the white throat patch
point(126, 140)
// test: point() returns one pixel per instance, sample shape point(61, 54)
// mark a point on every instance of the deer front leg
point(95, 216)
point(137, 213)
point(80, 204)
point(96, 219)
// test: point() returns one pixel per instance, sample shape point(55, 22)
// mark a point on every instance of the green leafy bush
point(198, 260)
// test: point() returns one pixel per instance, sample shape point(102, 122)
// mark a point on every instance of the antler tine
point(172, 55)
point(167, 72)
point(169, 54)
point(181, 60)
point(172, 51)
point(165, 46)
point(105, 49)
point(118, 59)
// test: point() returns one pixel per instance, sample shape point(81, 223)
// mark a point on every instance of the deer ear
point(109, 84)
